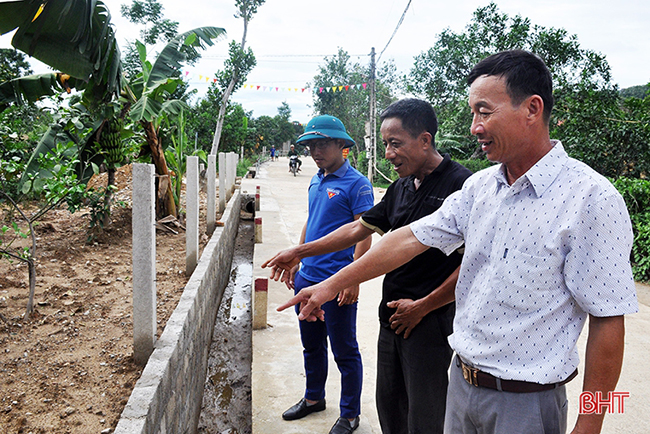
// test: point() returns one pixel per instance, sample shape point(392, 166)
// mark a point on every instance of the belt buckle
point(469, 374)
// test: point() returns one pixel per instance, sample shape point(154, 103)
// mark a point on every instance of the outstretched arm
point(394, 249)
point(351, 295)
point(345, 236)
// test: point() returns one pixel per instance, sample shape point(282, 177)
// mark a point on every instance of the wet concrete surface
point(226, 407)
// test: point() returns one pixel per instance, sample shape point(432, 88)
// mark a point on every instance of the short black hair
point(417, 116)
point(525, 74)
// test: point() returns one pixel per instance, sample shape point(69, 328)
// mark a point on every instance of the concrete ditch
point(168, 397)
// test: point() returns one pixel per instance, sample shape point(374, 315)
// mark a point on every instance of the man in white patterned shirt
point(547, 245)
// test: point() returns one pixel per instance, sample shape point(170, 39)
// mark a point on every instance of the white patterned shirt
point(540, 256)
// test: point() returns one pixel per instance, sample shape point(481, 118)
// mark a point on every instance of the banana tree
point(148, 96)
point(73, 36)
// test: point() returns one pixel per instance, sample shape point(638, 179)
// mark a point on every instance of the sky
point(291, 38)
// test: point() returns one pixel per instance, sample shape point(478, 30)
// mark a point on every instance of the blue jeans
point(340, 326)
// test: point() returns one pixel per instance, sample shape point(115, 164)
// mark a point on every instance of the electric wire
point(399, 23)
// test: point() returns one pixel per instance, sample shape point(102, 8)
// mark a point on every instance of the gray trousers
point(478, 410)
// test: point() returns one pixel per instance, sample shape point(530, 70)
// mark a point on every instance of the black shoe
point(344, 426)
point(302, 409)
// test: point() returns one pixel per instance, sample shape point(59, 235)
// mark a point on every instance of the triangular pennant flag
point(187, 73)
point(214, 80)
point(258, 88)
point(347, 87)
point(364, 85)
point(358, 86)
point(264, 88)
point(340, 88)
point(321, 90)
point(303, 89)
point(334, 89)
point(207, 79)
point(200, 77)
point(276, 89)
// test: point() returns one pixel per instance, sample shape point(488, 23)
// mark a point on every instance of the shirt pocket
point(528, 283)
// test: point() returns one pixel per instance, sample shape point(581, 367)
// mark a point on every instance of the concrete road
point(278, 375)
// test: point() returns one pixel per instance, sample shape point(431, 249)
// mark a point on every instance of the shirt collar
point(339, 173)
point(544, 172)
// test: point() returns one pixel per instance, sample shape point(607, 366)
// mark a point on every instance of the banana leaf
point(72, 36)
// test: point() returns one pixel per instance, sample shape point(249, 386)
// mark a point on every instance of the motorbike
point(293, 164)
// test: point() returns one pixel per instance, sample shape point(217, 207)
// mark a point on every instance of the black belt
point(482, 379)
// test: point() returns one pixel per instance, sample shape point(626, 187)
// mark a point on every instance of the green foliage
point(273, 131)
point(149, 13)
point(243, 164)
point(238, 65)
point(13, 64)
point(73, 36)
point(353, 107)
point(98, 210)
point(151, 87)
point(609, 134)
point(640, 91)
point(176, 155)
point(476, 164)
point(636, 193)
point(440, 73)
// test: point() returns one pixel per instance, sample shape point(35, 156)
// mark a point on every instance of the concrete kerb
point(167, 397)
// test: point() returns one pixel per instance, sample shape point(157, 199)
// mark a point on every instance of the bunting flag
point(189, 76)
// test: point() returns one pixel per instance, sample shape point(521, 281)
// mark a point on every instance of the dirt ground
point(69, 368)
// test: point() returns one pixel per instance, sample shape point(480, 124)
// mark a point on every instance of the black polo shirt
point(401, 205)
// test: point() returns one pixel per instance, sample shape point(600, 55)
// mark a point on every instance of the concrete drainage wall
point(167, 397)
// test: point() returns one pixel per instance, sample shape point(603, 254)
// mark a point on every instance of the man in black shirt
point(416, 311)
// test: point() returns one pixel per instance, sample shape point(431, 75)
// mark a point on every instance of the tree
point(13, 64)
point(352, 106)
point(440, 73)
point(237, 67)
point(148, 96)
point(149, 14)
point(201, 118)
point(157, 28)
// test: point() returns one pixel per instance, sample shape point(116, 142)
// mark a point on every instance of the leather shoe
point(344, 426)
point(302, 409)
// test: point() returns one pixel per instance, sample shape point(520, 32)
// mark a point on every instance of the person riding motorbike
point(291, 152)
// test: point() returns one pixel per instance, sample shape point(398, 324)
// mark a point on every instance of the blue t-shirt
point(334, 200)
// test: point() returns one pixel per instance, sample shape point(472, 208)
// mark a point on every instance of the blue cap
point(325, 126)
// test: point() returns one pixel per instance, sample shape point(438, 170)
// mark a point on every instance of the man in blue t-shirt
point(338, 194)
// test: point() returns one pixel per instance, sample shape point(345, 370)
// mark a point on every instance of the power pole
point(372, 157)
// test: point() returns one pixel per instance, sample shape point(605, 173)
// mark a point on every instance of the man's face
point(496, 123)
point(326, 153)
point(405, 152)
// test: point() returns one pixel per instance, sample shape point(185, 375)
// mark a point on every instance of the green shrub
point(636, 193)
point(243, 165)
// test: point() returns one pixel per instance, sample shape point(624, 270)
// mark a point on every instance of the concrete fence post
point(258, 229)
point(222, 182)
point(192, 218)
point(211, 174)
point(260, 302)
point(232, 166)
point(257, 198)
point(144, 262)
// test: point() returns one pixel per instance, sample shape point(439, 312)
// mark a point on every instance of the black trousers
point(412, 379)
